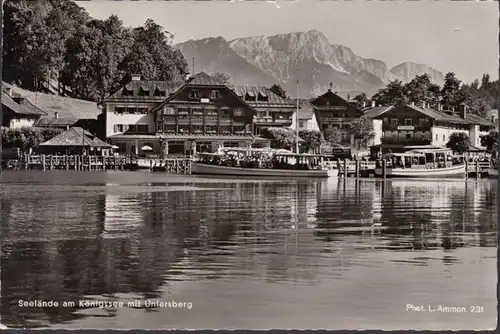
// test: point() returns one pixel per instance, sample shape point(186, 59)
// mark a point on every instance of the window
point(394, 121)
point(118, 128)
point(444, 138)
point(436, 137)
point(301, 124)
point(120, 110)
point(169, 111)
point(159, 92)
point(408, 121)
point(225, 129)
point(142, 128)
point(215, 94)
point(224, 112)
point(238, 112)
point(211, 129)
point(183, 112)
point(422, 121)
point(197, 128)
point(195, 94)
point(131, 110)
point(169, 128)
point(231, 144)
point(126, 92)
point(325, 126)
point(385, 120)
point(143, 92)
point(183, 128)
point(408, 136)
point(198, 112)
point(239, 129)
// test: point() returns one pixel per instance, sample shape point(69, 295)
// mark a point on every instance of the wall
point(377, 128)
point(443, 135)
point(112, 118)
point(21, 122)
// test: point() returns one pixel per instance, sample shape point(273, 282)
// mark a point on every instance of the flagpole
point(297, 120)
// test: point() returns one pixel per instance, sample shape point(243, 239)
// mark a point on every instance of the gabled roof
point(203, 79)
point(150, 90)
point(372, 112)
point(273, 100)
point(442, 116)
point(194, 82)
point(76, 137)
point(52, 121)
point(19, 108)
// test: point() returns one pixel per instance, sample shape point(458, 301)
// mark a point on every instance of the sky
point(461, 37)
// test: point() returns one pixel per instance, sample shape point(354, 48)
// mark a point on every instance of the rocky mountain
point(305, 56)
point(407, 71)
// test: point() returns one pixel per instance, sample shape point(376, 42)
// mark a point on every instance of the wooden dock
point(102, 163)
point(357, 168)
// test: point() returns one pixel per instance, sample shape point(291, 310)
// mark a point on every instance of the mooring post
point(384, 168)
point(466, 168)
point(358, 163)
point(345, 167)
point(478, 175)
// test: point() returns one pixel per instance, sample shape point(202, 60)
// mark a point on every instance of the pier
point(101, 163)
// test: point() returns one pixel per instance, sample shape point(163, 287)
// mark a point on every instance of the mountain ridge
point(308, 57)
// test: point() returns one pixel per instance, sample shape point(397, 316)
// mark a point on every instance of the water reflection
point(108, 243)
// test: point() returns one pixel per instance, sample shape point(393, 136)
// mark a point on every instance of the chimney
point(188, 76)
point(492, 119)
point(373, 104)
point(463, 111)
point(413, 103)
point(136, 77)
point(439, 107)
point(364, 104)
point(331, 86)
point(56, 115)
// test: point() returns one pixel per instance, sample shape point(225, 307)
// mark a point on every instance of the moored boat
point(432, 163)
point(261, 163)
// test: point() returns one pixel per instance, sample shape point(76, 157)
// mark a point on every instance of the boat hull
point(205, 169)
point(493, 173)
point(446, 172)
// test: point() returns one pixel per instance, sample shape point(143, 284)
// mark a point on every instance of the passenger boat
point(261, 163)
point(427, 163)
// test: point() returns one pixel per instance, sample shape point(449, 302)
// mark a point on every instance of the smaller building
point(18, 112)
point(307, 116)
point(271, 110)
point(75, 141)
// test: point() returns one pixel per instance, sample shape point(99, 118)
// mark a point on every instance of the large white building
point(408, 125)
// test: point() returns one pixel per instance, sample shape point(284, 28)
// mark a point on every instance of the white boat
point(261, 162)
point(457, 171)
point(206, 169)
point(430, 163)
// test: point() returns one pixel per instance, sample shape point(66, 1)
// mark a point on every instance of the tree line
point(478, 96)
point(63, 48)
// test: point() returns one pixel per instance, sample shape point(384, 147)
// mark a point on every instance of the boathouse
point(75, 141)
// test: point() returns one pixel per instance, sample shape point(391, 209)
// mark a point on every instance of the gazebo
point(75, 141)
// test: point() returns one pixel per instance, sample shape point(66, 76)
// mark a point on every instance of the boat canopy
point(407, 154)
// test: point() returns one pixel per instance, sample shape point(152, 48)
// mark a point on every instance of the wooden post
point(358, 163)
point(66, 161)
point(115, 162)
point(26, 161)
point(466, 168)
point(478, 175)
point(384, 168)
point(345, 168)
point(43, 161)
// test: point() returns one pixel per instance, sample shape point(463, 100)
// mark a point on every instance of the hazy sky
point(450, 36)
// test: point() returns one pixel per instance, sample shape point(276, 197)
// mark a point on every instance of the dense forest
point(64, 49)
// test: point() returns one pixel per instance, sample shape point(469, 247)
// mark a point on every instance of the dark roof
point(149, 90)
point(203, 79)
point(18, 108)
point(306, 109)
point(273, 100)
point(372, 112)
point(434, 114)
point(135, 136)
point(55, 122)
point(76, 137)
point(50, 104)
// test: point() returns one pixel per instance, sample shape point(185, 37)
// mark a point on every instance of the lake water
point(243, 253)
